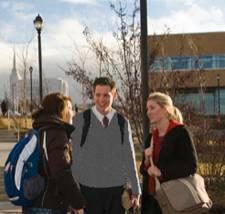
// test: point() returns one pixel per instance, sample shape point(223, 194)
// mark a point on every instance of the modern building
point(20, 89)
point(198, 61)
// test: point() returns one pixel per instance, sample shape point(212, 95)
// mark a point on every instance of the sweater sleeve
point(182, 162)
point(130, 160)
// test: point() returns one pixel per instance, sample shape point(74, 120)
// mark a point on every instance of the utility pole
point(144, 66)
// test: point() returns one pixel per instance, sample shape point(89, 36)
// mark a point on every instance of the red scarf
point(157, 145)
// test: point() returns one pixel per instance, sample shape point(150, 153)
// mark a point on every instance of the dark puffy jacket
point(61, 191)
point(178, 157)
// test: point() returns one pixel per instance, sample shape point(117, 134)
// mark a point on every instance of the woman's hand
point(154, 171)
point(148, 154)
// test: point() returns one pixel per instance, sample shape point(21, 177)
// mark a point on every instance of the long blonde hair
point(166, 102)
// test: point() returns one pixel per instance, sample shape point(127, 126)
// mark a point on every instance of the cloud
point(6, 66)
point(16, 21)
point(4, 4)
point(61, 43)
point(80, 1)
point(6, 56)
point(177, 2)
point(192, 19)
point(19, 10)
point(7, 30)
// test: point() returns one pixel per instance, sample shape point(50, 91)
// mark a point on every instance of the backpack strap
point(43, 149)
point(87, 121)
point(121, 122)
point(44, 145)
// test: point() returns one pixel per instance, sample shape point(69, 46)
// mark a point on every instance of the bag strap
point(157, 183)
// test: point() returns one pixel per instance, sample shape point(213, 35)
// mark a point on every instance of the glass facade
point(189, 62)
point(210, 102)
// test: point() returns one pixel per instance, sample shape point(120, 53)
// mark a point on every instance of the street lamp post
point(218, 89)
point(13, 97)
point(144, 65)
point(31, 88)
point(38, 24)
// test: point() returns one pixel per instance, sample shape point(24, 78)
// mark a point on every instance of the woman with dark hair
point(54, 117)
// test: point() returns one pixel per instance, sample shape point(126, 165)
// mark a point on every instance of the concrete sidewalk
point(5, 148)
point(7, 207)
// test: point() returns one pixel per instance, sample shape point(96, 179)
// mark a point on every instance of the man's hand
point(75, 211)
point(135, 200)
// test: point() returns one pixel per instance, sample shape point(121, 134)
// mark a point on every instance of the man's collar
point(100, 115)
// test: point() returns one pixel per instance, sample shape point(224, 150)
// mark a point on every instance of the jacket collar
point(50, 121)
point(172, 124)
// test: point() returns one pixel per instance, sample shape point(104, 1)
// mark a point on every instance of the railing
point(13, 123)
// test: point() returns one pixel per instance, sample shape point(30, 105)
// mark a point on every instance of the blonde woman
point(173, 151)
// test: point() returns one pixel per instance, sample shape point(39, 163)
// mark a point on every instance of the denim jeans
point(35, 210)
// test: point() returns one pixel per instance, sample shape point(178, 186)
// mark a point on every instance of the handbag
point(184, 195)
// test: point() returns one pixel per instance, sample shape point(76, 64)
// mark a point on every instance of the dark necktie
point(105, 121)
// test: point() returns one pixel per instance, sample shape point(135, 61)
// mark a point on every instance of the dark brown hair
point(53, 104)
point(104, 81)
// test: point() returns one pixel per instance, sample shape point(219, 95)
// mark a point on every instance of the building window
point(189, 62)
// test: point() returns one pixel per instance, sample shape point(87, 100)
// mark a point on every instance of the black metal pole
point(13, 98)
point(218, 88)
point(40, 65)
point(31, 90)
point(144, 65)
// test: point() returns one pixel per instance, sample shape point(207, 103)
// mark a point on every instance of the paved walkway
point(7, 207)
point(5, 148)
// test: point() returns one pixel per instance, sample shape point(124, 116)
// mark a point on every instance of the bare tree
point(121, 63)
point(25, 60)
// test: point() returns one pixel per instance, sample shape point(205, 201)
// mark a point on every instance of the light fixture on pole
point(31, 88)
point(38, 24)
point(218, 90)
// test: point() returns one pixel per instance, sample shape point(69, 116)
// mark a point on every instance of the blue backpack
point(23, 184)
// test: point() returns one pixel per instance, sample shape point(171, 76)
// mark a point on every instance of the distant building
point(203, 54)
point(20, 91)
point(15, 86)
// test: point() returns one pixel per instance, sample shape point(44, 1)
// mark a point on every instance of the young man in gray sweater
point(105, 162)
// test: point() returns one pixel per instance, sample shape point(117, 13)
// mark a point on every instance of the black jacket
point(61, 191)
point(177, 158)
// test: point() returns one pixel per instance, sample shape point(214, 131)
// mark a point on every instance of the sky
point(64, 22)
